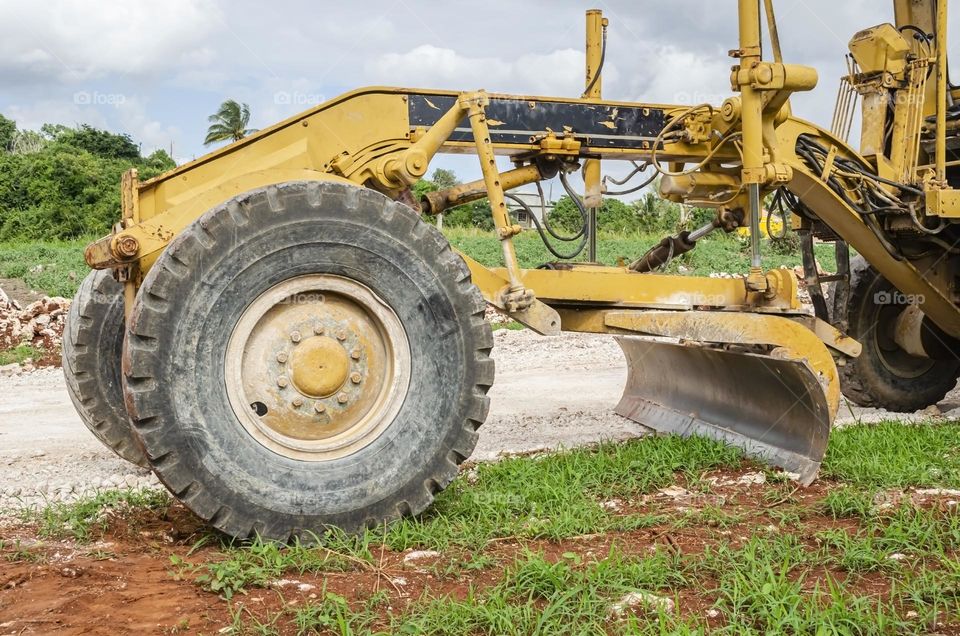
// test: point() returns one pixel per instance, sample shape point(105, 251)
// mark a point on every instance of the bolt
point(281, 357)
point(126, 246)
point(355, 354)
point(342, 398)
point(295, 336)
point(319, 407)
point(355, 377)
point(318, 330)
point(282, 381)
point(341, 334)
point(297, 402)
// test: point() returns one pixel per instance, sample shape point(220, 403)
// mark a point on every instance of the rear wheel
point(884, 375)
point(92, 345)
point(307, 355)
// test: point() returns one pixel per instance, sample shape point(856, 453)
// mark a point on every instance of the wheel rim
point(317, 367)
point(893, 358)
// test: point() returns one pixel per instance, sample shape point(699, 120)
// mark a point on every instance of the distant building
point(532, 199)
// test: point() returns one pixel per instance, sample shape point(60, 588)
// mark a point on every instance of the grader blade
point(775, 394)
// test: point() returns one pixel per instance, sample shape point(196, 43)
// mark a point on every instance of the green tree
point(444, 179)
point(8, 130)
point(229, 123)
point(95, 141)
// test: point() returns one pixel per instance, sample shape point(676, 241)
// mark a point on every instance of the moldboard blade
point(772, 408)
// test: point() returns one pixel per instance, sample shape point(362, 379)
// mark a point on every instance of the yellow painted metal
point(319, 366)
point(596, 25)
point(943, 203)
point(940, 153)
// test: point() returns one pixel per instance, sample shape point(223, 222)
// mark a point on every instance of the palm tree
point(229, 123)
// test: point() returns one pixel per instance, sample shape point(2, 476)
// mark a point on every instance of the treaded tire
point(192, 299)
point(92, 346)
point(873, 379)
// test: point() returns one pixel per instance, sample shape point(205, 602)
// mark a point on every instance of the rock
point(420, 555)
point(937, 492)
point(712, 613)
point(642, 601)
point(674, 492)
point(612, 505)
point(932, 411)
point(752, 478)
point(897, 556)
point(10, 369)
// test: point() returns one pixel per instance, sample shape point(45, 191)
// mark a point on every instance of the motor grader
point(277, 331)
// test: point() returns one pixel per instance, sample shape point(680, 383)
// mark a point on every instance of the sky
point(157, 70)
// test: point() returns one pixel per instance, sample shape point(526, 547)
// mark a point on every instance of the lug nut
point(341, 335)
point(295, 336)
point(297, 402)
point(319, 407)
point(318, 330)
point(342, 398)
point(281, 357)
point(355, 377)
point(355, 354)
point(282, 381)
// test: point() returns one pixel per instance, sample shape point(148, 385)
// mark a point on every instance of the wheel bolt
point(295, 336)
point(297, 402)
point(341, 335)
point(355, 354)
point(318, 330)
point(319, 407)
point(342, 398)
point(355, 377)
point(281, 357)
point(282, 381)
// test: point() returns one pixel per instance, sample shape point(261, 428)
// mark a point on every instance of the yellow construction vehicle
point(277, 333)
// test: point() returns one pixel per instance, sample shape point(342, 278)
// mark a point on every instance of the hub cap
point(317, 367)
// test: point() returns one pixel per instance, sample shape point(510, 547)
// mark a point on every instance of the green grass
point(553, 497)
point(895, 455)
point(20, 354)
point(55, 268)
point(86, 519)
point(713, 254)
point(771, 581)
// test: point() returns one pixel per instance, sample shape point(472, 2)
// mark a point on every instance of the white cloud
point(559, 72)
point(71, 40)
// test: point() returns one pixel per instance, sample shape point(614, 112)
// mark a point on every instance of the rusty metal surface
point(316, 367)
point(774, 409)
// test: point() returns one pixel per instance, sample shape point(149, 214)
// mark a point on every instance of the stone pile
point(39, 324)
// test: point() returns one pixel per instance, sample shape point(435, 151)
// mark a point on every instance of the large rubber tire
point(92, 346)
point(884, 376)
point(190, 303)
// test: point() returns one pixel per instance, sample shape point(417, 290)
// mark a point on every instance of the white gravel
point(550, 393)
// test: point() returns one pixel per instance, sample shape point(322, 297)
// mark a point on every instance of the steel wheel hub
point(317, 367)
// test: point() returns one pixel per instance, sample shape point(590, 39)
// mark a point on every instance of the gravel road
point(550, 393)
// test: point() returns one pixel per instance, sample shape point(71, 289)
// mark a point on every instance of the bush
point(68, 184)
